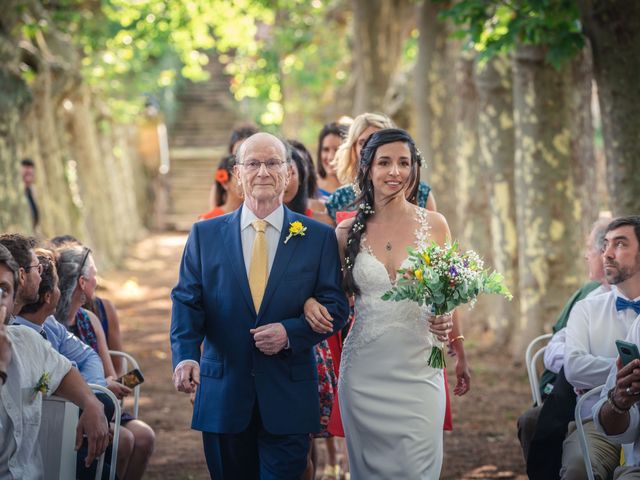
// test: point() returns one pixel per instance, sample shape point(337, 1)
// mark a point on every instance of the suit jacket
point(212, 302)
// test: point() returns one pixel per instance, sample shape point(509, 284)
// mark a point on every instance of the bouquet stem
point(436, 359)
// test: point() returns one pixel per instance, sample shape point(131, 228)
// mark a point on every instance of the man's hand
point(441, 325)
point(271, 338)
point(627, 391)
point(93, 424)
point(187, 377)
point(118, 389)
point(5, 345)
point(317, 316)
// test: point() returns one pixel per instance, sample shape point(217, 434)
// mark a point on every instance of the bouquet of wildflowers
point(444, 278)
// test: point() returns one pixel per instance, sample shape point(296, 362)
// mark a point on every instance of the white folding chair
point(116, 434)
point(531, 356)
point(129, 363)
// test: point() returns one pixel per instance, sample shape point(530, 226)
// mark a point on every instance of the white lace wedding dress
point(392, 404)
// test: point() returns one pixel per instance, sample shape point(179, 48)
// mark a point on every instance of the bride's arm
point(315, 313)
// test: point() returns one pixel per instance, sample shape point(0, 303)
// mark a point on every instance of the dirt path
point(483, 444)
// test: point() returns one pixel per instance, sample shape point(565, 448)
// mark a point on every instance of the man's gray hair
point(599, 230)
point(285, 147)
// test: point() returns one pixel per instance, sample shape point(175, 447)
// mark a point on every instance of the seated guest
point(617, 414)
point(22, 251)
point(77, 272)
point(594, 325)
point(103, 308)
point(24, 359)
point(39, 317)
point(555, 351)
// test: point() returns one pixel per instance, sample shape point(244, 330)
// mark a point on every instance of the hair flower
point(222, 176)
point(296, 229)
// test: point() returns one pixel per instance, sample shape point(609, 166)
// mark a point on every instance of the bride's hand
point(317, 316)
point(441, 325)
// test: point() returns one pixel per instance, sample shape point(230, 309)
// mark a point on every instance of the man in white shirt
point(617, 413)
point(29, 369)
point(554, 355)
point(594, 326)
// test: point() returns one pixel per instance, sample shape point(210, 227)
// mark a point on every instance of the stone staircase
point(198, 139)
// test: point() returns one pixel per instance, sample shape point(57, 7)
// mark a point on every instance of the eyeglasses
point(37, 265)
point(255, 165)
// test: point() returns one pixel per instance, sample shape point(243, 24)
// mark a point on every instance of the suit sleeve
point(187, 315)
point(328, 292)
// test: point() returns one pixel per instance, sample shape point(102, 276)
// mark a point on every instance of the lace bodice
point(375, 316)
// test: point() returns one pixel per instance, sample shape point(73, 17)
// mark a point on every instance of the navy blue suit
point(212, 302)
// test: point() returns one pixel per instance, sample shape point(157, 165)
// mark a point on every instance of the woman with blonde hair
point(346, 165)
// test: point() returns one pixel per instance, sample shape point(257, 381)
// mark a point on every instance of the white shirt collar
point(275, 218)
point(618, 293)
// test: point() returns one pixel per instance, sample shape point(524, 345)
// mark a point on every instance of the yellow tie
point(258, 266)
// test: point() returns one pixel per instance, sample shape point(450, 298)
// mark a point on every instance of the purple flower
point(465, 263)
point(453, 271)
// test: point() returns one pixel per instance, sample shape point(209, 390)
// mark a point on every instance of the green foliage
point(496, 26)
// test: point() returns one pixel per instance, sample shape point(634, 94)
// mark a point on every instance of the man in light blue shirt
point(82, 356)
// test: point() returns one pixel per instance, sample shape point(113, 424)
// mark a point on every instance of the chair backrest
point(129, 363)
point(581, 435)
point(57, 438)
point(116, 434)
point(531, 356)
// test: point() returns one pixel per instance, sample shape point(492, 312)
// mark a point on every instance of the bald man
point(244, 278)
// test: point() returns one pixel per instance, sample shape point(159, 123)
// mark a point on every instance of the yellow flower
point(426, 258)
point(295, 229)
point(418, 274)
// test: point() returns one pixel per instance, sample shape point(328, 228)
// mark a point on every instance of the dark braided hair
point(365, 199)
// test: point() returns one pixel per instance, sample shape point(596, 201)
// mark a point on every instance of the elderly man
point(594, 326)
point(617, 414)
point(29, 369)
point(243, 282)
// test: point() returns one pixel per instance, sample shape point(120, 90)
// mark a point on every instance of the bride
point(392, 403)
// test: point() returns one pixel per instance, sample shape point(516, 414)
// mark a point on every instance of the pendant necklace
point(388, 246)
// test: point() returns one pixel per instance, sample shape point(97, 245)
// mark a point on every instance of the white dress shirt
point(21, 406)
point(555, 351)
point(248, 234)
point(630, 435)
point(593, 327)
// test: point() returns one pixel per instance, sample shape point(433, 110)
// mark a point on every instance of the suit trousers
point(255, 453)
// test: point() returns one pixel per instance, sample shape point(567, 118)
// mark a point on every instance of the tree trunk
point(436, 107)
point(471, 185)
point(613, 28)
point(380, 30)
point(497, 150)
point(549, 135)
point(14, 99)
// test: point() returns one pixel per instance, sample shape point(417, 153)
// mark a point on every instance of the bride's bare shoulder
point(437, 223)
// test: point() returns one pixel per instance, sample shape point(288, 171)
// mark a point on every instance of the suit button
point(253, 374)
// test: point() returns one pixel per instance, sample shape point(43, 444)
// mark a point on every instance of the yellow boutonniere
point(296, 229)
point(43, 384)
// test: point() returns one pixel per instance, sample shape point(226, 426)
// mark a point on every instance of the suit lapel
point(284, 254)
point(233, 241)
